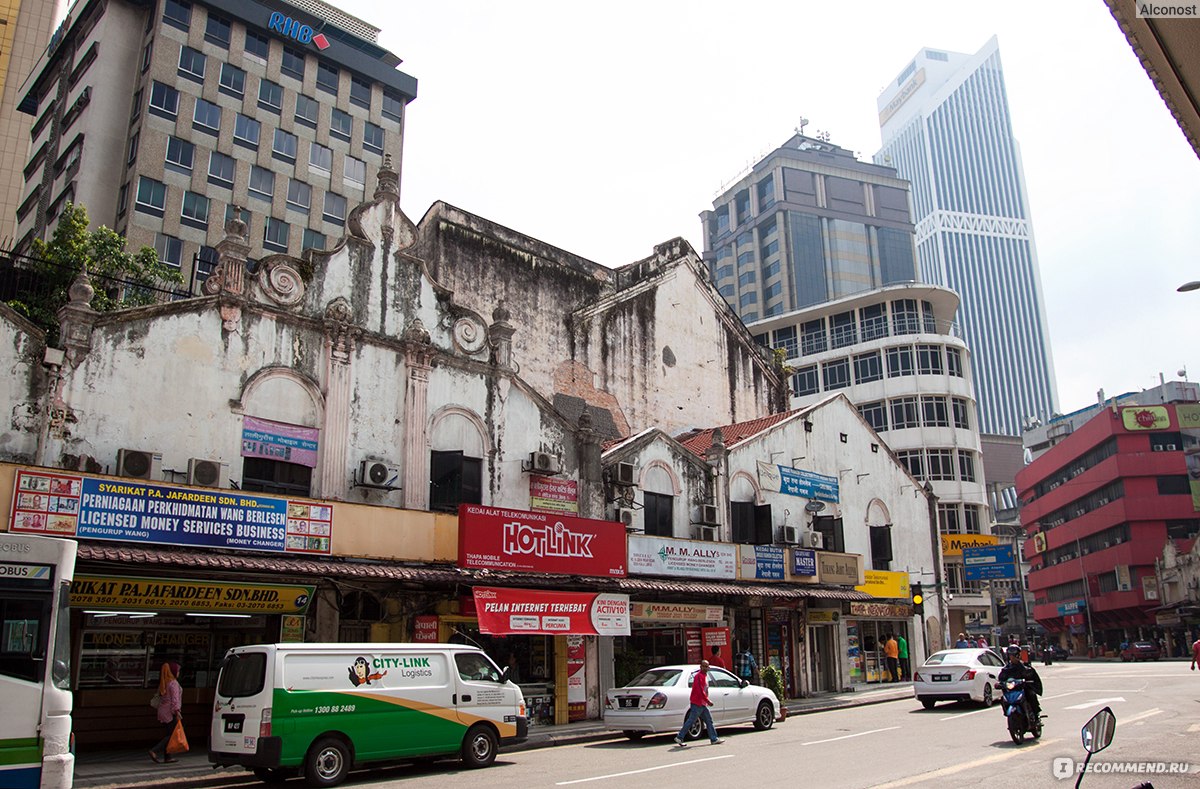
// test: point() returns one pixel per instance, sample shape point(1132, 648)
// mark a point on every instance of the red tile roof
point(700, 441)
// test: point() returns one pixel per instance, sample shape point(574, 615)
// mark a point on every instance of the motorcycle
point(1019, 711)
point(1097, 735)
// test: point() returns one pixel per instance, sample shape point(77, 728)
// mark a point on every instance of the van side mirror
point(1098, 732)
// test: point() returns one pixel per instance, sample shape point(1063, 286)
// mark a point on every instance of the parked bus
point(35, 669)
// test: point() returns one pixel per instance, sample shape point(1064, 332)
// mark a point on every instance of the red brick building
point(1098, 507)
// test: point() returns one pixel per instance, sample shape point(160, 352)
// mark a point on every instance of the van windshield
point(243, 674)
point(473, 666)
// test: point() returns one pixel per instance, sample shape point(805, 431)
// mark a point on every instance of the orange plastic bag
point(178, 742)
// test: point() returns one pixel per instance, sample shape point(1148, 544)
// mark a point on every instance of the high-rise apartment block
point(160, 118)
point(946, 128)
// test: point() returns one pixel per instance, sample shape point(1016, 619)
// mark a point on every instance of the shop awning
point(297, 566)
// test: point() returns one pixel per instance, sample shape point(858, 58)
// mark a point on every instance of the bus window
point(23, 636)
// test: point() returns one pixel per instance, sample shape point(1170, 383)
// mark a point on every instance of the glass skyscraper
point(946, 128)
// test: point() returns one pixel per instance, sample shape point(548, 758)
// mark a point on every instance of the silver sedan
point(958, 675)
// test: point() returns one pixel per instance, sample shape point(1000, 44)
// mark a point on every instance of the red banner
point(503, 612)
point(425, 628)
point(539, 542)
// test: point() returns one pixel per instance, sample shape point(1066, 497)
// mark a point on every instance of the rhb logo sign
point(294, 29)
point(556, 540)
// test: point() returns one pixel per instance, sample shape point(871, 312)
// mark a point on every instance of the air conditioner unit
point(377, 474)
point(139, 464)
point(543, 463)
point(1103, 501)
point(1080, 513)
point(708, 514)
point(206, 473)
point(791, 534)
point(624, 475)
point(813, 539)
point(708, 533)
point(625, 516)
point(1169, 448)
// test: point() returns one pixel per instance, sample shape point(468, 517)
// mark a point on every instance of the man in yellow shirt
point(891, 654)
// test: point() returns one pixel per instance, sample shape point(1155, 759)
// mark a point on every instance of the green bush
point(772, 678)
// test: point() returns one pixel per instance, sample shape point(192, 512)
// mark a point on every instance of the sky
point(605, 129)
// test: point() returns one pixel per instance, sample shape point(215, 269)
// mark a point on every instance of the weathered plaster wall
point(22, 385)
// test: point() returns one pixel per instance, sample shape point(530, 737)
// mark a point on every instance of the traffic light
point(1001, 614)
point(918, 599)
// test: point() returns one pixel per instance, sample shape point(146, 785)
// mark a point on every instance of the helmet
point(1012, 649)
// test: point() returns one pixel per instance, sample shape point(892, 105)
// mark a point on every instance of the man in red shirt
point(716, 660)
point(1195, 653)
point(699, 708)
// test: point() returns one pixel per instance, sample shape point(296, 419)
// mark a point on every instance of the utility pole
point(939, 582)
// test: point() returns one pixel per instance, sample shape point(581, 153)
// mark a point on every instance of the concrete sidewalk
point(113, 769)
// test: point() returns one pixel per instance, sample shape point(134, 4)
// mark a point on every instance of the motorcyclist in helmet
point(1019, 670)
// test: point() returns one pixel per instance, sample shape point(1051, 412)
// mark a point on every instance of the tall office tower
point(807, 224)
point(161, 117)
point(25, 27)
point(946, 128)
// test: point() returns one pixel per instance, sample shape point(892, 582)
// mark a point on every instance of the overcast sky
point(605, 129)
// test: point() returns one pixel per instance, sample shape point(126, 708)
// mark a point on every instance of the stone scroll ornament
point(281, 281)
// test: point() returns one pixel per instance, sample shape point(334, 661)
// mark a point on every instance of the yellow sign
point(169, 594)
point(880, 583)
point(1039, 542)
point(819, 616)
point(291, 629)
point(1146, 417)
point(952, 544)
point(900, 98)
point(1189, 416)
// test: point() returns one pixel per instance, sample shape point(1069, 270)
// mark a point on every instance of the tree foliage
point(121, 279)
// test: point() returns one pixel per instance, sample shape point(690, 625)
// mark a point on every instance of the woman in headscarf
point(170, 701)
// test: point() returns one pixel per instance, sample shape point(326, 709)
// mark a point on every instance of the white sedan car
point(958, 675)
point(657, 700)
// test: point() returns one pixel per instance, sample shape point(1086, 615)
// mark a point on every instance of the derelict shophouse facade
point(340, 419)
point(162, 116)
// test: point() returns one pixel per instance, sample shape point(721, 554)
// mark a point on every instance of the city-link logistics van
point(320, 709)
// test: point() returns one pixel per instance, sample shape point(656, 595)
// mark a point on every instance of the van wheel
point(765, 716)
point(479, 747)
point(327, 762)
point(272, 775)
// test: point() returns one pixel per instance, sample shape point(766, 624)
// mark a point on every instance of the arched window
point(456, 460)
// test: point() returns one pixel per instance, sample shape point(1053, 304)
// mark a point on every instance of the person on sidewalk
point(716, 660)
point(962, 642)
point(699, 708)
point(1195, 653)
point(170, 702)
point(902, 645)
point(891, 656)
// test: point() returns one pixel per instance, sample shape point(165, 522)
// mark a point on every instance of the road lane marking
point(1141, 715)
point(848, 736)
point(1061, 695)
point(1195, 727)
point(965, 714)
point(1093, 703)
point(958, 768)
point(646, 770)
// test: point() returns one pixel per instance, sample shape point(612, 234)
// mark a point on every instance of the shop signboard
point(502, 611)
point(718, 637)
point(804, 562)
point(1145, 417)
point(797, 482)
point(291, 629)
point(988, 562)
point(822, 616)
point(576, 678)
point(675, 612)
point(539, 542)
point(1071, 607)
point(1150, 587)
point(425, 628)
point(132, 510)
point(1124, 583)
point(173, 594)
point(880, 583)
point(953, 544)
point(686, 558)
point(761, 562)
point(840, 568)
point(881, 610)
point(262, 438)
point(551, 494)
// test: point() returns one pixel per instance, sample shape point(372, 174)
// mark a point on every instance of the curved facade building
point(898, 354)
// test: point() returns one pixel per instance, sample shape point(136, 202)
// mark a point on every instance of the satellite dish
point(814, 506)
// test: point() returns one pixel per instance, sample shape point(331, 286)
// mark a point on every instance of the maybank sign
point(953, 544)
point(904, 95)
point(294, 29)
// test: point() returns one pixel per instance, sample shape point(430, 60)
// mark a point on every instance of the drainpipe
point(52, 360)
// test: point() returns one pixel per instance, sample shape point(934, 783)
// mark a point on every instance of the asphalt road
point(893, 744)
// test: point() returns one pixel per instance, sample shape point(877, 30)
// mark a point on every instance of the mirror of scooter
point(1098, 732)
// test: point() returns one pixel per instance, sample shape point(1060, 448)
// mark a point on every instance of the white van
point(319, 709)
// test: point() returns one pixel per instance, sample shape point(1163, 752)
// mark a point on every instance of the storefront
point(867, 627)
point(666, 633)
point(823, 664)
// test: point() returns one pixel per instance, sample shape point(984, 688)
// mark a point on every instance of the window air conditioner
point(708, 514)
point(707, 533)
point(625, 517)
point(624, 475)
point(1103, 501)
point(138, 464)
point(1168, 447)
point(543, 463)
point(791, 534)
point(377, 474)
point(206, 473)
point(813, 539)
